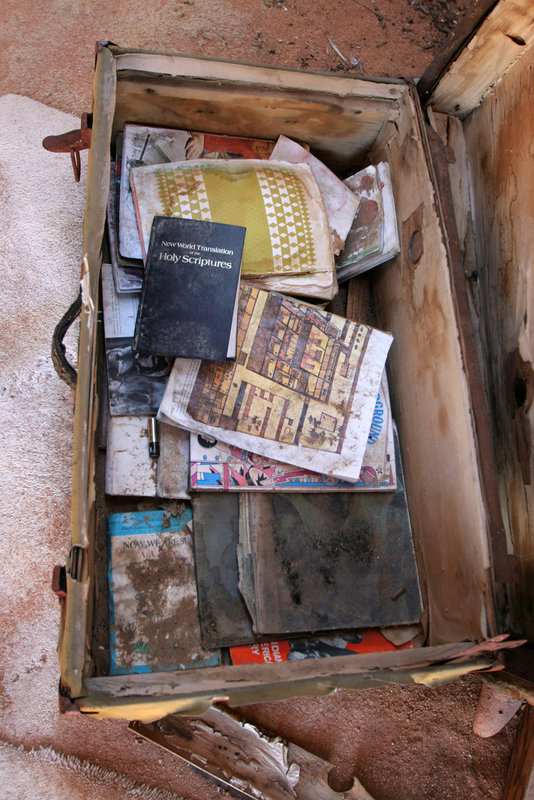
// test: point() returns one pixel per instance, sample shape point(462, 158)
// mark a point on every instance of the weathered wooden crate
point(458, 300)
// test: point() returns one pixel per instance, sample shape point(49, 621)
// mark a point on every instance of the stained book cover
point(188, 305)
point(216, 466)
point(127, 273)
point(135, 382)
point(142, 145)
point(302, 390)
point(131, 471)
point(280, 205)
point(153, 603)
point(373, 237)
point(224, 618)
point(335, 561)
point(326, 646)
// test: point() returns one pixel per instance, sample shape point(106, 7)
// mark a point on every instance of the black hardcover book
point(188, 306)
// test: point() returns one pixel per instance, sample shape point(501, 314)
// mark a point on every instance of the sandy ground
point(47, 49)
point(401, 742)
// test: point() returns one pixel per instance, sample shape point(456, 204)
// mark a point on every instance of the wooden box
point(458, 300)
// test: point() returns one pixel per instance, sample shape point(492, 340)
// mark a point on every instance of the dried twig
point(374, 11)
point(336, 50)
point(355, 63)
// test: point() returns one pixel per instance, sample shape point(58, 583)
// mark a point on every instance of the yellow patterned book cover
point(143, 146)
point(303, 387)
point(279, 204)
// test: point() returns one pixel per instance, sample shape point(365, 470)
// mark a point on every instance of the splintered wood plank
point(430, 398)
point(244, 758)
point(309, 676)
point(503, 38)
point(520, 779)
point(499, 142)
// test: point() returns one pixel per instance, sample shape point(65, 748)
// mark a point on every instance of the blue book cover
point(154, 624)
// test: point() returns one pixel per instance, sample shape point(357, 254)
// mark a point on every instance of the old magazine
point(287, 246)
point(303, 387)
point(153, 604)
point(216, 466)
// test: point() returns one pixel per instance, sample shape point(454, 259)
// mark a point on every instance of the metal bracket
point(72, 142)
point(76, 562)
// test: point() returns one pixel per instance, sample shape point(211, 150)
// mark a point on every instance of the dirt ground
point(401, 742)
point(47, 49)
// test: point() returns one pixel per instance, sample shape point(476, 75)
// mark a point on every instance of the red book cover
point(367, 641)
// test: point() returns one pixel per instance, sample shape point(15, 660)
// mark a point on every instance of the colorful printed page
point(152, 594)
point(144, 146)
point(365, 235)
point(216, 466)
point(279, 204)
point(343, 644)
point(302, 390)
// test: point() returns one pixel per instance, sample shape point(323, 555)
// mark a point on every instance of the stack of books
point(232, 389)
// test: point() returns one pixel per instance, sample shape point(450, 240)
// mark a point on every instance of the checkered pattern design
point(288, 220)
point(182, 193)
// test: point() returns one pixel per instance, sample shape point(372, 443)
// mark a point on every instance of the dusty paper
point(303, 387)
point(216, 466)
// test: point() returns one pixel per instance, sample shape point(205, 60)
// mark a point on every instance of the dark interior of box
point(410, 296)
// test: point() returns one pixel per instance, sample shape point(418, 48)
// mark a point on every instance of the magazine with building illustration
point(302, 390)
point(216, 466)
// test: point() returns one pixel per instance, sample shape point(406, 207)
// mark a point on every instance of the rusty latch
point(72, 142)
point(59, 583)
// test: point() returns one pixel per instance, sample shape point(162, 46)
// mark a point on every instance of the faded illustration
point(294, 378)
point(217, 466)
